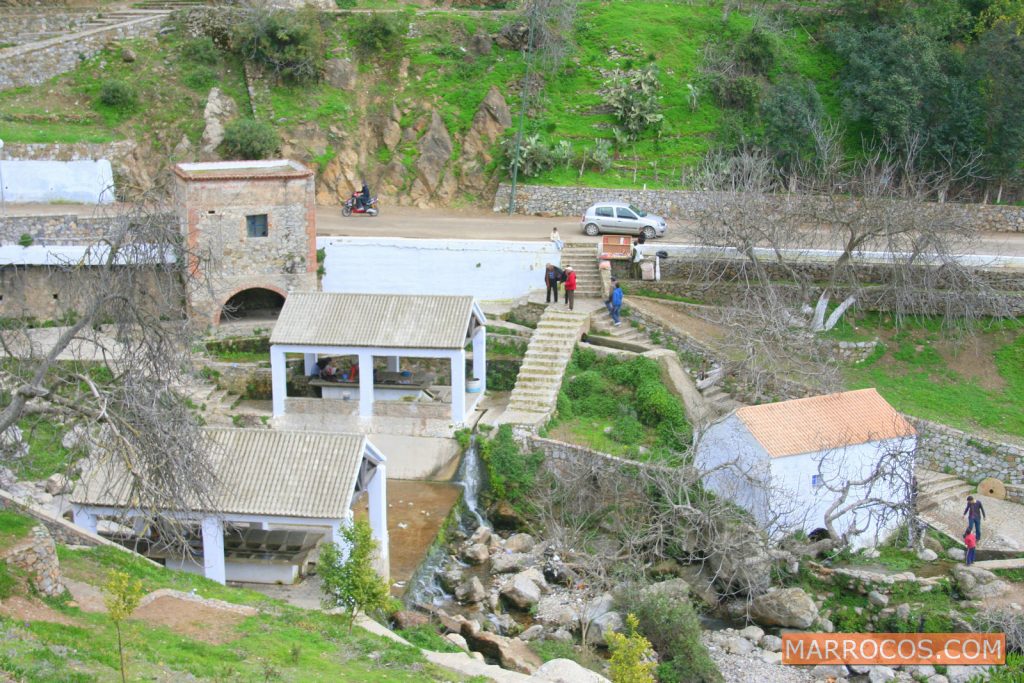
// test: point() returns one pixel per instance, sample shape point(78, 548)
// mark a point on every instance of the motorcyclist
point(364, 196)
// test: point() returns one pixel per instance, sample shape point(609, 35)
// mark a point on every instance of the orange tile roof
point(818, 423)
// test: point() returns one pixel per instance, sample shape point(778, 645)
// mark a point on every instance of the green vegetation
point(249, 139)
point(349, 579)
point(674, 630)
point(288, 45)
point(510, 473)
point(240, 349)
point(46, 452)
point(632, 658)
point(620, 407)
point(427, 638)
point(13, 527)
point(123, 595)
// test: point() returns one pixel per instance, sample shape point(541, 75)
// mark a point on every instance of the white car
point(621, 218)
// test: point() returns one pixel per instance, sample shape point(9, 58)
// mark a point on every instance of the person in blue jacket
point(615, 302)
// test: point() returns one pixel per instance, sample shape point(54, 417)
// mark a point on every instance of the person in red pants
point(570, 286)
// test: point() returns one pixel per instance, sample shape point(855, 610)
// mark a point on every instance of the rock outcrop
point(489, 122)
point(434, 183)
point(790, 607)
point(219, 110)
point(976, 583)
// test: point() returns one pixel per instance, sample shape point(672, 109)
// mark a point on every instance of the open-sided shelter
point(392, 326)
point(278, 494)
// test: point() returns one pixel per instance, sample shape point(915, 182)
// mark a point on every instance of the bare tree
point(107, 378)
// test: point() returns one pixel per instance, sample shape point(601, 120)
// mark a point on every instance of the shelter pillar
point(213, 550)
point(309, 363)
point(480, 357)
point(365, 384)
point(458, 387)
point(336, 530)
point(279, 380)
point(378, 507)
point(85, 518)
point(393, 364)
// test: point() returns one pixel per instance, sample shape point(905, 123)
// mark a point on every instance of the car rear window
point(605, 211)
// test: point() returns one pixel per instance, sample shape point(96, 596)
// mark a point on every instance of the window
point(604, 211)
point(256, 226)
point(816, 481)
point(626, 213)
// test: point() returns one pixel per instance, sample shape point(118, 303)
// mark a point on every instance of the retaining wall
point(28, 25)
point(687, 205)
point(37, 555)
point(967, 456)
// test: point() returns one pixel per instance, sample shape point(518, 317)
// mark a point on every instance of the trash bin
point(647, 270)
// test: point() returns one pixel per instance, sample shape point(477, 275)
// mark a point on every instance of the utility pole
point(524, 100)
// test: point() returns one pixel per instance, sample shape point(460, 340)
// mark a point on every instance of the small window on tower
point(817, 481)
point(256, 226)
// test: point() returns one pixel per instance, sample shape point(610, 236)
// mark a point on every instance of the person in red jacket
point(570, 286)
point(971, 542)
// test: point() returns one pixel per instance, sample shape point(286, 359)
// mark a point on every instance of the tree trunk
point(817, 322)
point(838, 313)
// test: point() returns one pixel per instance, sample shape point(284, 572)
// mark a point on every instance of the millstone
point(992, 487)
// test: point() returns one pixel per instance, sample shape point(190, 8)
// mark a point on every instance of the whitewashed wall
point(487, 269)
point(85, 181)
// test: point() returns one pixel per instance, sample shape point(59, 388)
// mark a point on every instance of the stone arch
point(255, 301)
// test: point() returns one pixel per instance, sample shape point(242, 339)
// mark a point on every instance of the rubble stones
point(519, 543)
point(470, 591)
point(878, 599)
point(568, 671)
point(976, 583)
point(522, 591)
point(475, 553)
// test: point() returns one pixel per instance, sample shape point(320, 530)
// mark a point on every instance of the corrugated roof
point(374, 320)
point(242, 170)
point(261, 472)
point(808, 425)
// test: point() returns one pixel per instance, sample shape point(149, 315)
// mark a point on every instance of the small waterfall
point(424, 588)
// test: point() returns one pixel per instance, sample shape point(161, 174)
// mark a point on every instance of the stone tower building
point(250, 227)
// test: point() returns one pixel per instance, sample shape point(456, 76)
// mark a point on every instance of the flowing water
point(468, 477)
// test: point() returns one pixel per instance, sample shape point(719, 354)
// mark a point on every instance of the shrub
point(741, 93)
point(25, 240)
point(377, 33)
point(564, 406)
point(351, 582)
point(602, 155)
point(673, 629)
point(200, 77)
point(631, 653)
point(584, 359)
point(758, 51)
point(510, 473)
point(597, 405)
point(533, 155)
point(636, 372)
point(655, 404)
point(249, 139)
point(633, 97)
point(117, 94)
point(286, 43)
point(586, 384)
point(7, 581)
point(791, 112)
point(345, 4)
point(627, 430)
point(201, 50)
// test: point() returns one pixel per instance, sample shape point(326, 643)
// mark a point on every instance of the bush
point(118, 94)
point(533, 155)
point(630, 660)
point(376, 33)
point(633, 97)
point(674, 630)
point(25, 240)
point(586, 384)
point(598, 405)
point(741, 93)
point(584, 359)
point(627, 430)
point(656, 404)
point(510, 473)
point(564, 407)
point(636, 372)
point(249, 139)
point(200, 77)
point(286, 43)
point(201, 50)
point(758, 51)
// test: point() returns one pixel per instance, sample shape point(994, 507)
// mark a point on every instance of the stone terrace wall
point(28, 25)
point(58, 229)
point(37, 555)
point(969, 457)
point(36, 63)
point(61, 530)
point(687, 205)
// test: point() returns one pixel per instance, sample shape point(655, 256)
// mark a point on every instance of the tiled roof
point(819, 423)
point(374, 320)
point(261, 472)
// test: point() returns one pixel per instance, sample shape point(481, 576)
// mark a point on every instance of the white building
point(788, 463)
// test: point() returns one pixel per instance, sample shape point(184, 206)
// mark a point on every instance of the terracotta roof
point(261, 472)
point(818, 423)
point(375, 320)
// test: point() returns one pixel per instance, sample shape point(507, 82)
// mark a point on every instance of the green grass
point(13, 527)
point(651, 294)
point(282, 643)
point(46, 453)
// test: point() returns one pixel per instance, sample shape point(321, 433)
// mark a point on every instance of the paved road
point(473, 224)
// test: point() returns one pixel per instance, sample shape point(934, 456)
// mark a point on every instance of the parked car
point(621, 218)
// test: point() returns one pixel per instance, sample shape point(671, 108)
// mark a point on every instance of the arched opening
point(252, 304)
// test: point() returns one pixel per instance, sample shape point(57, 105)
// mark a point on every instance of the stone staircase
point(211, 403)
point(533, 398)
point(934, 487)
point(582, 256)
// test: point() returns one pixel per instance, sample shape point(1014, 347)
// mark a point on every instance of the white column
point(393, 364)
point(84, 518)
point(279, 380)
point(213, 549)
point(309, 363)
point(338, 540)
point(480, 357)
point(365, 384)
point(458, 387)
point(377, 494)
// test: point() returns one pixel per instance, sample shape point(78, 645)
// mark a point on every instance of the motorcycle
point(352, 206)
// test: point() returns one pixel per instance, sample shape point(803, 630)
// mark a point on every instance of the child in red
point(971, 544)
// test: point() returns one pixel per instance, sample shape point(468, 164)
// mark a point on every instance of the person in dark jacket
point(364, 195)
point(974, 512)
point(615, 303)
point(552, 276)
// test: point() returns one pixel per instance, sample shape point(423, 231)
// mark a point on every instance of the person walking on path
point(615, 303)
point(557, 239)
point(974, 512)
point(570, 286)
point(552, 276)
point(971, 542)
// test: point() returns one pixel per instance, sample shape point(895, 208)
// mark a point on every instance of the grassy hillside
point(60, 640)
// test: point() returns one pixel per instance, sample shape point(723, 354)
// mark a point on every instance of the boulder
point(878, 599)
point(475, 553)
point(506, 563)
point(470, 591)
point(784, 607)
point(435, 150)
point(535, 631)
point(408, 619)
point(976, 583)
point(504, 516)
point(567, 671)
point(770, 643)
point(965, 674)
point(57, 484)
point(903, 611)
point(340, 73)
point(450, 580)
point(511, 653)
point(609, 621)
point(673, 589)
point(219, 110)
point(753, 633)
point(12, 444)
point(522, 591)
point(482, 534)
point(824, 672)
point(957, 554)
point(562, 635)
point(736, 645)
point(927, 555)
point(490, 121)
point(771, 657)
point(128, 55)
point(519, 543)
point(881, 674)
point(457, 640)
point(480, 44)
point(513, 36)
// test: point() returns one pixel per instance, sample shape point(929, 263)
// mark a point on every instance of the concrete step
point(944, 488)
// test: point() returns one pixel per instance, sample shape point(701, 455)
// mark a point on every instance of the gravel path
point(751, 667)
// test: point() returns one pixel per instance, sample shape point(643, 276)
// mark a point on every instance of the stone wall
point(60, 530)
point(36, 63)
point(25, 26)
point(687, 205)
point(969, 457)
point(37, 556)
